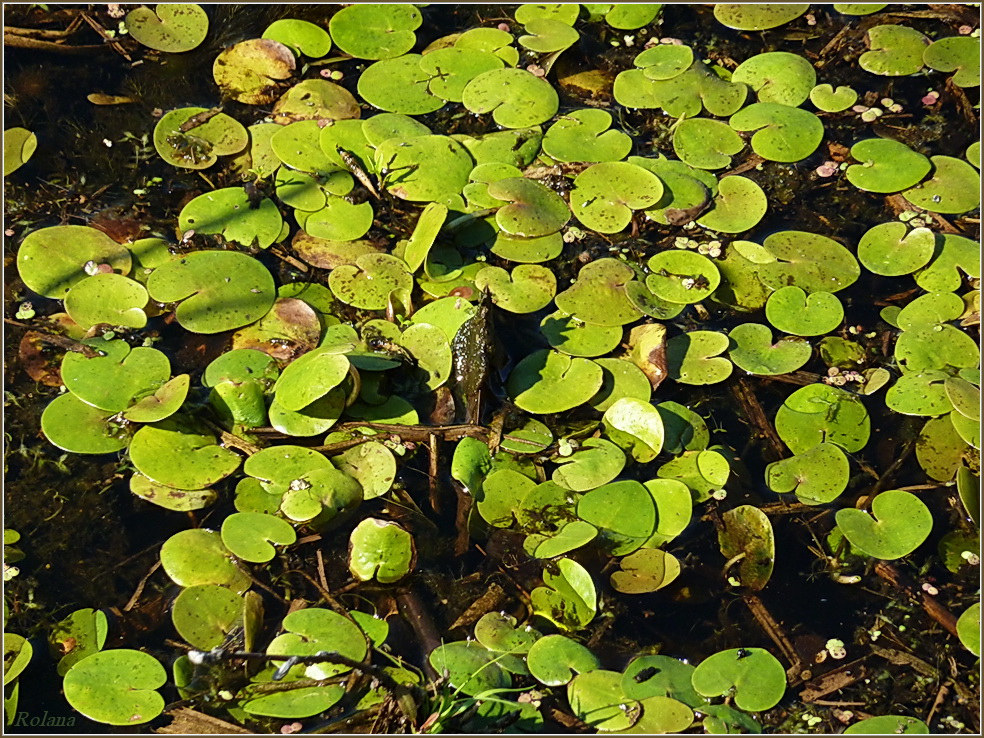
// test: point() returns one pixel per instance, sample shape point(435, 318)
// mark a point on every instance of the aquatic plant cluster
point(474, 297)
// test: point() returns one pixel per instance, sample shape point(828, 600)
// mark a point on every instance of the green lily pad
point(173, 28)
point(107, 298)
point(571, 336)
point(297, 703)
point(597, 462)
point(452, 68)
point(586, 135)
point(782, 133)
point(78, 636)
point(705, 143)
point(73, 425)
point(470, 464)
point(569, 600)
point(597, 699)
point(598, 295)
point(244, 294)
point(250, 71)
point(550, 382)
point(810, 261)
point(964, 396)
point(176, 453)
point(778, 77)
point(250, 535)
point(117, 687)
point(829, 100)
point(954, 187)
point(500, 493)
point(886, 166)
point(571, 536)
point(753, 675)
point(888, 725)
point(375, 31)
point(665, 61)
point(900, 524)
point(793, 311)
point(547, 35)
point(646, 570)
point(859, 8)
point(819, 413)
point(682, 276)
point(959, 54)
point(470, 667)
point(399, 85)
point(969, 629)
point(738, 206)
point(757, 16)
point(119, 378)
point(171, 498)
point(954, 255)
point(19, 145)
point(528, 288)
point(701, 471)
point(338, 220)
point(314, 629)
point(205, 614)
point(183, 144)
point(562, 12)
point(528, 250)
point(919, 393)
point(301, 36)
point(605, 194)
point(746, 538)
point(623, 512)
point(687, 191)
point(380, 550)
point(197, 556)
point(555, 659)
point(892, 249)
point(424, 168)
point(298, 145)
point(372, 465)
point(17, 652)
point(532, 437)
point(639, 420)
point(973, 154)
point(515, 97)
point(620, 378)
point(230, 213)
point(693, 358)
point(684, 430)
point(534, 210)
point(499, 633)
point(163, 403)
point(630, 16)
point(755, 352)
point(817, 476)
point(310, 377)
point(940, 449)
point(51, 261)
point(895, 51)
point(671, 678)
point(370, 281)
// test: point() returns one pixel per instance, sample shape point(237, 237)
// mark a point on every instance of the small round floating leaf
point(243, 293)
point(888, 725)
point(498, 633)
point(173, 28)
point(672, 678)
point(17, 652)
point(77, 427)
point(965, 397)
point(555, 659)
point(563, 12)
point(502, 492)
point(973, 154)
point(171, 498)
point(572, 336)
point(969, 629)
point(316, 100)
point(571, 536)
point(605, 194)
point(940, 450)
point(665, 61)
point(682, 277)
point(205, 614)
point(886, 166)
point(82, 633)
point(528, 288)
point(738, 206)
point(370, 281)
point(534, 210)
point(230, 213)
point(747, 533)
point(569, 599)
point(958, 255)
point(107, 298)
point(52, 260)
point(399, 85)
point(19, 145)
point(820, 413)
point(755, 352)
point(372, 465)
point(174, 452)
point(683, 428)
point(646, 570)
point(549, 382)
point(778, 77)
point(470, 667)
point(314, 629)
point(528, 250)
point(817, 476)
point(200, 146)
point(250, 535)
point(782, 133)
point(623, 512)
point(810, 261)
point(515, 97)
point(597, 462)
point(452, 68)
point(164, 402)
point(249, 72)
point(374, 31)
point(829, 100)
point(641, 420)
point(198, 556)
point(598, 295)
point(380, 550)
point(339, 220)
point(895, 51)
point(470, 464)
point(900, 524)
point(960, 54)
point(586, 135)
point(919, 393)
point(117, 379)
point(630, 16)
point(546, 35)
point(693, 358)
point(620, 379)
point(892, 249)
point(298, 703)
point(793, 311)
point(705, 143)
point(954, 188)
point(757, 16)
point(116, 687)
point(298, 145)
point(859, 8)
point(301, 36)
point(310, 377)
point(424, 168)
point(755, 675)
point(674, 509)
point(596, 697)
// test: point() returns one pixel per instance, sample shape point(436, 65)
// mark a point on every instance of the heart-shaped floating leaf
point(683, 429)
point(571, 536)
point(886, 166)
point(892, 249)
point(534, 210)
point(757, 16)
point(811, 261)
point(380, 550)
point(370, 281)
point(549, 382)
point(585, 135)
point(620, 378)
point(198, 556)
point(120, 377)
point(311, 377)
point(820, 413)
point(817, 476)
point(598, 296)
point(452, 68)
point(117, 687)
point(423, 168)
point(400, 86)
point(303, 702)
point(829, 100)
point(205, 614)
point(651, 676)
point(693, 358)
point(315, 100)
point(229, 212)
point(375, 31)
point(646, 570)
point(530, 287)
point(569, 599)
point(575, 337)
point(919, 393)
point(960, 54)
point(778, 77)
point(702, 471)
point(248, 71)
point(73, 425)
point(171, 498)
point(901, 523)
point(756, 677)
point(705, 143)
point(674, 509)
point(888, 725)
point(107, 298)
point(515, 97)
point(51, 261)
point(165, 401)
point(170, 27)
point(793, 311)
point(746, 538)
point(597, 462)
point(954, 187)
point(501, 493)
point(372, 465)
point(624, 513)
point(301, 36)
point(498, 633)
point(738, 206)
point(555, 659)
point(605, 194)
point(315, 629)
point(250, 535)
point(755, 352)
point(176, 452)
point(78, 636)
point(639, 420)
point(969, 628)
point(19, 145)
point(470, 464)
point(940, 449)
point(682, 276)
point(895, 51)
point(194, 138)
point(596, 697)
point(547, 35)
point(470, 667)
point(782, 133)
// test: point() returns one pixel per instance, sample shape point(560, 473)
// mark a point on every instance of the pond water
point(700, 492)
